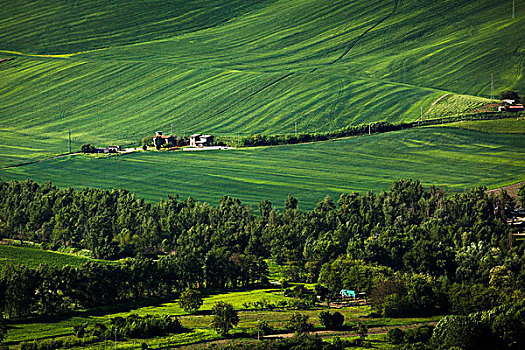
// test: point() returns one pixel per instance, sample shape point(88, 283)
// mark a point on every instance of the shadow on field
point(98, 311)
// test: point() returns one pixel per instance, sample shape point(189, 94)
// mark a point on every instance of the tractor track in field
point(397, 3)
point(353, 43)
point(436, 101)
point(254, 93)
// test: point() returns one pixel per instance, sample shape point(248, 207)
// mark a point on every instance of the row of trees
point(46, 291)
point(501, 327)
point(271, 140)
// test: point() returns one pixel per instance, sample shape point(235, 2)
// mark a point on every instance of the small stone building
point(198, 140)
point(160, 139)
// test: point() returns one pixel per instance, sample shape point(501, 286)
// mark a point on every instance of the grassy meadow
point(445, 156)
point(198, 324)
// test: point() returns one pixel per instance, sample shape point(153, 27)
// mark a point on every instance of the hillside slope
point(115, 71)
point(450, 157)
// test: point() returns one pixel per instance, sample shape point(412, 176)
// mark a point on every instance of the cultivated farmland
point(239, 67)
point(451, 157)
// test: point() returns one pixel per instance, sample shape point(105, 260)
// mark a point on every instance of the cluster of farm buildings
point(510, 106)
point(195, 140)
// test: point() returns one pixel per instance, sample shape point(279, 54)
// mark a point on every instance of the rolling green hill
point(112, 72)
point(451, 157)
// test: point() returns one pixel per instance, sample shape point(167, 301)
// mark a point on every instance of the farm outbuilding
point(160, 139)
point(198, 140)
point(114, 149)
point(511, 108)
point(346, 293)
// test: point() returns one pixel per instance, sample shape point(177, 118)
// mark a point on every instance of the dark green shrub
point(421, 334)
point(87, 148)
point(396, 336)
point(265, 328)
point(299, 323)
point(331, 321)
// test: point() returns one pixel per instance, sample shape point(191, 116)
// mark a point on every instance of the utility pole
point(171, 133)
point(491, 87)
point(513, 3)
point(257, 329)
point(369, 129)
point(421, 116)
point(69, 141)
point(116, 330)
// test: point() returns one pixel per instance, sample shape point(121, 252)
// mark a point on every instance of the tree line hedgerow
point(352, 130)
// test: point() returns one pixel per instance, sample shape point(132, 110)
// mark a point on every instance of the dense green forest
point(436, 252)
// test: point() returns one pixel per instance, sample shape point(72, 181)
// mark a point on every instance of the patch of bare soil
point(512, 190)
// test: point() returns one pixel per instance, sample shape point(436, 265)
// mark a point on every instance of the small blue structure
point(346, 293)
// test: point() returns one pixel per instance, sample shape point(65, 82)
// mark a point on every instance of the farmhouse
point(113, 149)
point(511, 108)
point(159, 139)
point(109, 149)
point(198, 140)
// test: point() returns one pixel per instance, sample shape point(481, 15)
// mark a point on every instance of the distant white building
point(198, 140)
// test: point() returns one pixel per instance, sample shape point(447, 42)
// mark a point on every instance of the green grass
point(62, 27)
point(32, 257)
point(502, 126)
point(123, 70)
point(453, 104)
point(451, 157)
point(199, 324)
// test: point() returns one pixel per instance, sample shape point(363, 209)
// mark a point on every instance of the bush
point(265, 328)
point(395, 336)
point(331, 321)
point(421, 334)
point(87, 148)
point(149, 326)
point(299, 323)
point(190, 300)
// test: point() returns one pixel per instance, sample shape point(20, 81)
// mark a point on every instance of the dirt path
point(512, 190)
point(436, 101)
point(371, 330)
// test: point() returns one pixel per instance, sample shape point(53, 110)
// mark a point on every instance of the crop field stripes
point(254, 93)
point(356, 40)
